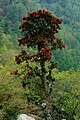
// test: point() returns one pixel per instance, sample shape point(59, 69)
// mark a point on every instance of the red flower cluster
point(55, 65)
point(31, 56)
point(60, 44)
point(22, 24)
point(63, 45)
point(39, 27)
point(22, 40)
point(18, 60)
point(47, 48)
point(23, 52)
point(55, 43)
point(57, 21)
point(46, 53)
point(41, 11)
point(24, 18)
point(14, 72)
point(26, 61)
point(41, 39)
point(34, 14)
point(29, 71)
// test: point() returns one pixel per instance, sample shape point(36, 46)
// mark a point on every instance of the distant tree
point(39, 29)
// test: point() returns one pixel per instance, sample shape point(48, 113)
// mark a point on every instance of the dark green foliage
point(58, 114)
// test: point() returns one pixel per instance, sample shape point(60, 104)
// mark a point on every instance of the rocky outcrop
point(24, 117)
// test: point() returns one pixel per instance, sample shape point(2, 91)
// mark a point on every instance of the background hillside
point(66, 88)
point(12, 11)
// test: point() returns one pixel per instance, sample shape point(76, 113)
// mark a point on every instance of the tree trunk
point(42, 77)
point(45, 88)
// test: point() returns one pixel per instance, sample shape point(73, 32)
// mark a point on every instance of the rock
point(24, 117)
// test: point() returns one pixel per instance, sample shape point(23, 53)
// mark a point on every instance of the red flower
point(45, 53)
point(34, 13)
point(54, 43)
point(63, 45)
point(60, 48)
point(39, 46)
point(24, 37)
point(46, 11)
point(29, 71)
point(59, 40)
point(21, 25)
point(32, 56)
point(18, 60)
point(31, 37)
point(49, 57)
point(30, 13)
point(11, 73)
point(39, 53)
point(26, 61)
point(49, 40)
point(55, 21)
point(19, 39)
point(43, 39)
point(23, 52)
point(54, 38)
point(59, 20)
point(14, 72)
point(47, 48)
point(24, 22)
point(55, 65)
point(50, 53)
point(28, 77)
point(24, 18)
point(58, 26)
point(56, 31)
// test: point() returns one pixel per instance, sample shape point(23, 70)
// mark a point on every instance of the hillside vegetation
point(11, 13)
point(66, 87)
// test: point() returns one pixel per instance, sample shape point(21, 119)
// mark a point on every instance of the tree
point(39, 30)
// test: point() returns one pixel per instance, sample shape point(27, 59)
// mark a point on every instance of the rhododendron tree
point(39, 30)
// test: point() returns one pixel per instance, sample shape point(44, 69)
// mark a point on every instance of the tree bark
point(45, 88)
